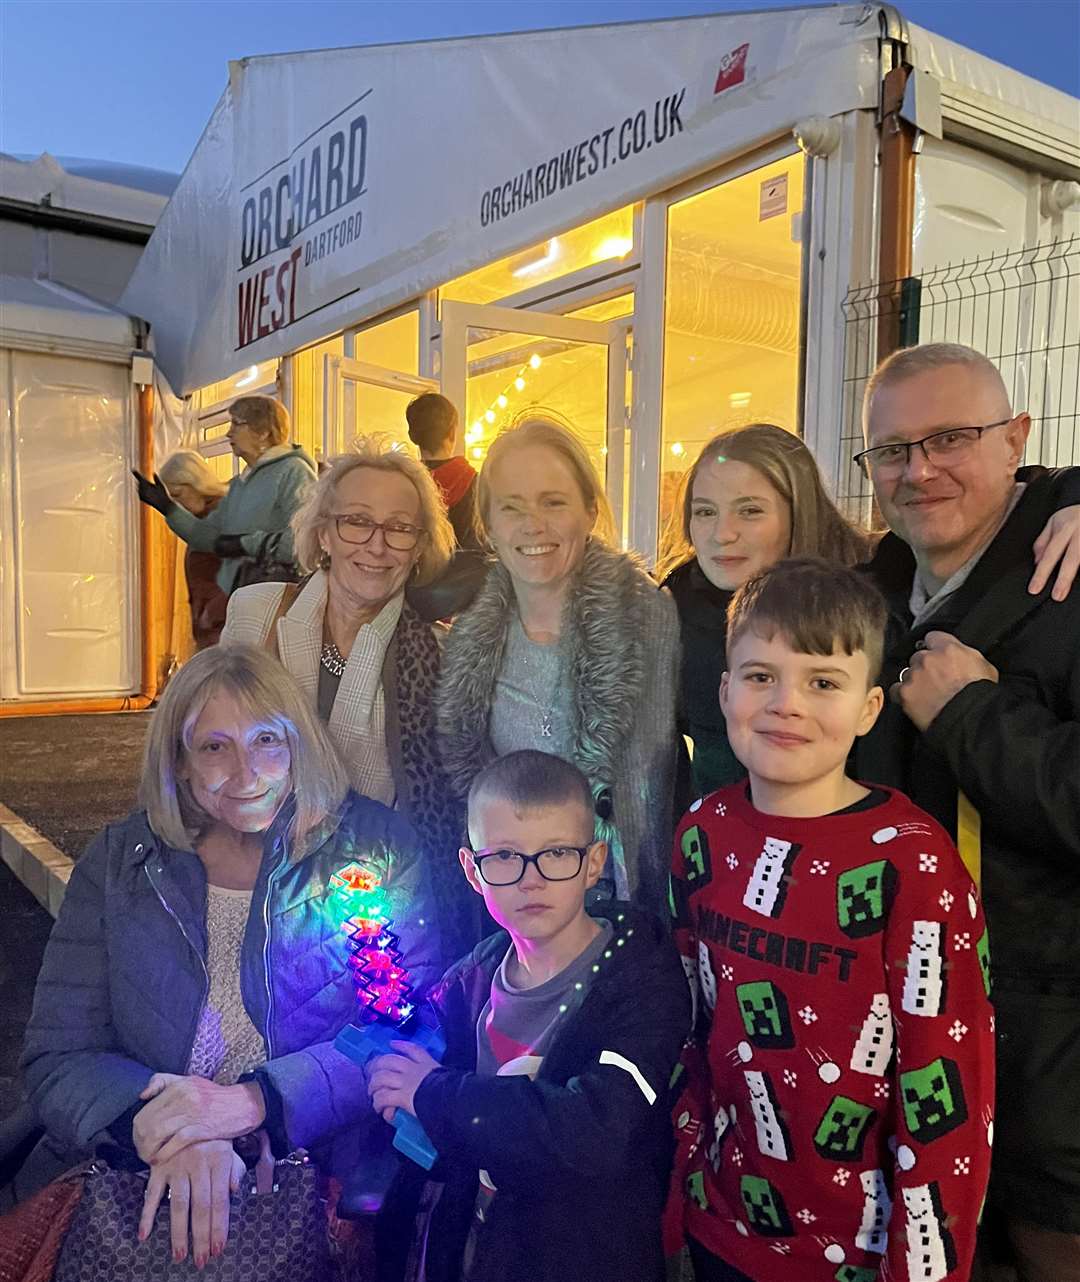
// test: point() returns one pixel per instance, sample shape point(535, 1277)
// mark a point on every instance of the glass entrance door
point(499, 364)
point(362, 399)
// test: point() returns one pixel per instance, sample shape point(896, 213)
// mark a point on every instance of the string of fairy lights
point(490, 417)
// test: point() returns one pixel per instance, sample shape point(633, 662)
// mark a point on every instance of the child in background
point(550, 1111)
point(843, 967)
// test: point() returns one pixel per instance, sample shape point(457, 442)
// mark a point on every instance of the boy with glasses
point(550, 1110)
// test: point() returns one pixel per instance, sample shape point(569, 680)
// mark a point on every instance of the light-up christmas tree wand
point(383, 989)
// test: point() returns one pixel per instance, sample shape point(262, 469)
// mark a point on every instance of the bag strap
point(288, 597)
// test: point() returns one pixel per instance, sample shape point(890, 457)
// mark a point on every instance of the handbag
point(32, 1234)
point(273, 1237)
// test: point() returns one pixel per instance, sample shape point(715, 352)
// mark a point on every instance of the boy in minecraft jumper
point(841, 952)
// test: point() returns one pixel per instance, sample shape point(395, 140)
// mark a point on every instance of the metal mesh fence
point(1020, 308)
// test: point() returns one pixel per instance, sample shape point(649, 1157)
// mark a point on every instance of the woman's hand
point(153, 493)
point(200, 1180)
point(188, 1110)
point(1058, 542)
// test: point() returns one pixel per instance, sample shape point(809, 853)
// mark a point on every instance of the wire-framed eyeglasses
point(507, 867)
point(948, 445)
point(354, 528)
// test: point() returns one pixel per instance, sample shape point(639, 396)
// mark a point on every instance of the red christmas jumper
point(842, 977)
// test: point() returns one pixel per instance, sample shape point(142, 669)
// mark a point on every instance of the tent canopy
point(338, 184)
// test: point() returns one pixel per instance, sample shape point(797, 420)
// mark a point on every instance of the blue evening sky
point(136, 81)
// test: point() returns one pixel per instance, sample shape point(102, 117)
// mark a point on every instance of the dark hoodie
point(581, 1156)
point(703, 621)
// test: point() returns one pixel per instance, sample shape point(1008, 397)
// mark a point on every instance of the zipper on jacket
point(266, 962)
point(187, 940)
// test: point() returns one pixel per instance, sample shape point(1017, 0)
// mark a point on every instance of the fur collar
point(605, 624)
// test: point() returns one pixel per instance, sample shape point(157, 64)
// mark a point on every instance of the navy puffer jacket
point(124, 976)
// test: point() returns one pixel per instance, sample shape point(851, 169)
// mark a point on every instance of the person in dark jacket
point(752, 497)
point(198, 972)
point(433, 429)
point(550, 1111)
point(984, 732)
point(191, 483)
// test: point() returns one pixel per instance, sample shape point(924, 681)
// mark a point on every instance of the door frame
point(340, 376)
point(457, 318)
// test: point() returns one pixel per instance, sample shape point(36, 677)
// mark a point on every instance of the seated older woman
point(568, 648)
point(197, 974)
point(364, 659)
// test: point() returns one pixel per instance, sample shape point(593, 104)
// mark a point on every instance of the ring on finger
point(903, 674)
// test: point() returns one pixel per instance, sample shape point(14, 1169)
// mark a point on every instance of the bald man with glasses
point(983, 731)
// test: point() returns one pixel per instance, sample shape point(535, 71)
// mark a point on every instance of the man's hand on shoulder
point(939, 669)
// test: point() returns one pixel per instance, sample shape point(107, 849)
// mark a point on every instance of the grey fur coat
point(623, 636)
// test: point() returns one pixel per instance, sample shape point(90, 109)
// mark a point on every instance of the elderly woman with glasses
point(373, 525)
point(199, 972)
point(250, 528)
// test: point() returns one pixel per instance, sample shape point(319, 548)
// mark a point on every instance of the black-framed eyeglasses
point(356, 529)
point(947, 445)
point(507, 867)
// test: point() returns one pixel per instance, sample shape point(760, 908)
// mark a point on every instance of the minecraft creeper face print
point(695, 1190)
point(697, 861)
point(931, 1252)
point(772, 1135)
point(982, 951)
point(766, 891)
point(856, 1273)
point(874, 1045)
point(864, 896)
point(765, 1015)
point(933, 1099)
point(841, 1133)
point(765, 1207)
point(873, 1234)
point(924, 982)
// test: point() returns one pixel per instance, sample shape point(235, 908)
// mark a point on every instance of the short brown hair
point(529, 780)
point(432, 420)
point(816, 606)
point(265, 414)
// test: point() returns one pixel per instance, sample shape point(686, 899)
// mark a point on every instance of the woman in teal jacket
point(250, 528)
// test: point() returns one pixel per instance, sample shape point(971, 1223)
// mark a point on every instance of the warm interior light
point(678, 448)
point(477, 452)
point(612, 247)
point(531, 265)
point(739, 400)
point(250, 375)
point(474, 433)
point(519, 383)
point(534, 360)
point(502, 402)
point(490, 416)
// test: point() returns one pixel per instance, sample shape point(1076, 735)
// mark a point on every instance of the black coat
point(703, 625)
point(581, 1157)
point(1013, 747)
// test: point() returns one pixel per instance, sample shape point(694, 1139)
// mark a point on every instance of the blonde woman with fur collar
point(568, 648)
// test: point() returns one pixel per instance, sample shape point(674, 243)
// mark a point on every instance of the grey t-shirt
point(531, 693)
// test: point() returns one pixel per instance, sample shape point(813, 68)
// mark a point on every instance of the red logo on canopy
point(732, 69)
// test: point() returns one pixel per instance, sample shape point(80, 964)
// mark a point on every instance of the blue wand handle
point(366, 1042)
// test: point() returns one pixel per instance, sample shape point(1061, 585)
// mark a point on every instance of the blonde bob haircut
point(818, 527)
point(378, 454)
point(547, 431)
point(270, 696)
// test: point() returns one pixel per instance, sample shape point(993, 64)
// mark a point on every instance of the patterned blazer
point(409, 675)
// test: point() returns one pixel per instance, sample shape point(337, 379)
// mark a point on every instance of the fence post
point(897, 205)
